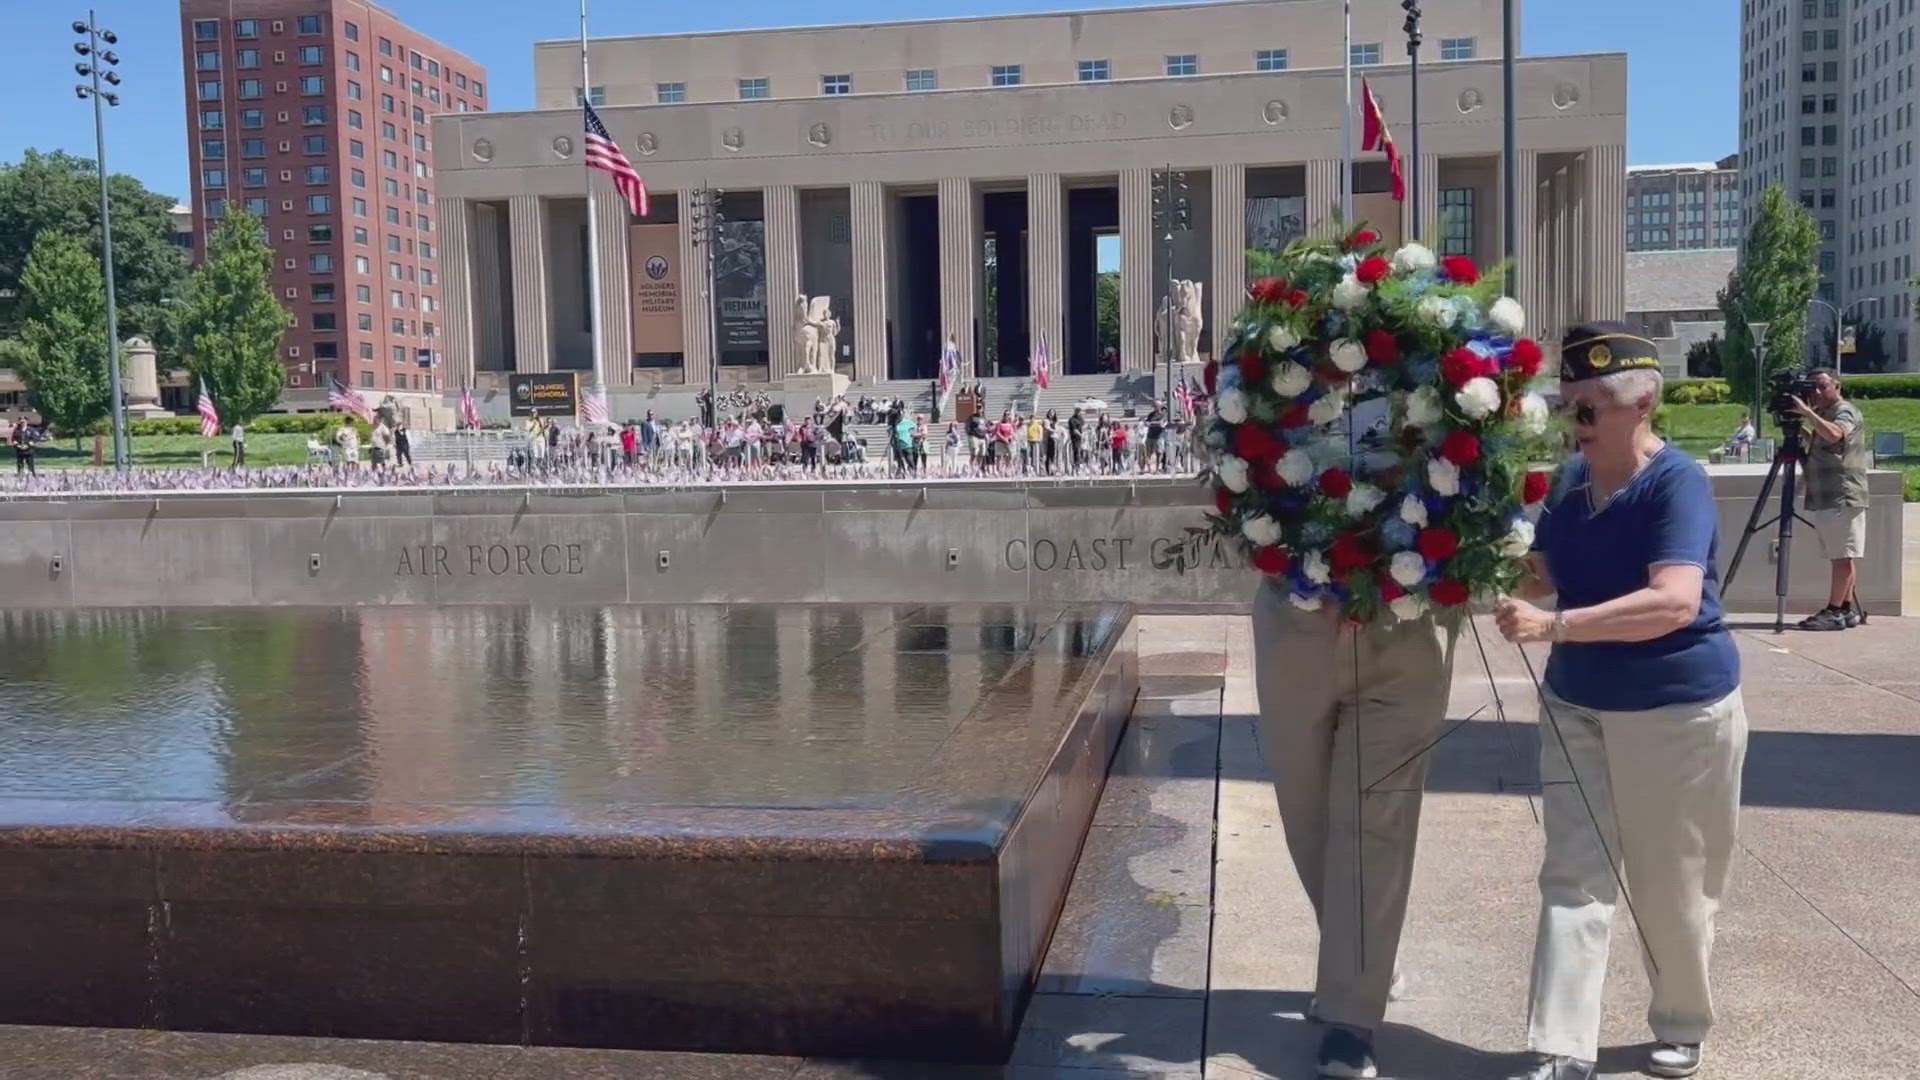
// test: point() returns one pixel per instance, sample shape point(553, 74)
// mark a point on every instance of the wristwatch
point(1559, 627)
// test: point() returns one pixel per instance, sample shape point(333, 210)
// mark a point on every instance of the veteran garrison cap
point(1593, 349)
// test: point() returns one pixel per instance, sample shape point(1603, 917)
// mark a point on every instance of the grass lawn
point(1698, 429)
point(177, 451)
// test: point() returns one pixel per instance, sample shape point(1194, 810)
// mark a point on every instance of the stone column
point(1429, 196)
point(485, 316)
point(782, 209)
point(1137, 287)
point(1323, 191)
point(1229, 249)
point(1606, 237)
point(616, 288)
point(1046, 266)
point(456, 292)
point(696, 304)
point(960, 267)
point(872, 265)
point(1524, 285)
point(533, 343)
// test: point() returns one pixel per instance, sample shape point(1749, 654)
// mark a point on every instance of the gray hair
point(1631, 386)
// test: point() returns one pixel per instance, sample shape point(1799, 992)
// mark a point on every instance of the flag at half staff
point(605, 154)
point(1375, 136)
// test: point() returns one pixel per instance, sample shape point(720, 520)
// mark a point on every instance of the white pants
point(1664, 785)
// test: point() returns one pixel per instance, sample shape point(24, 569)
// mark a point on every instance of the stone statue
point(829, 353)
point(1187, 319)
point(815, 334)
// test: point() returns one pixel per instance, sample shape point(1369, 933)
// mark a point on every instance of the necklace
point(1597, 502)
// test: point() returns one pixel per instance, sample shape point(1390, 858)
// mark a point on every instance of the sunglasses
point(1584, 413)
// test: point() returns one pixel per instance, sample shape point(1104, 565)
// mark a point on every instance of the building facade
point(1684, 207)
point(991, 180)
point(1827, 111)
point(315, 116)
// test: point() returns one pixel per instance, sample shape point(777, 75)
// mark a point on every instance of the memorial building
point(1000, 181)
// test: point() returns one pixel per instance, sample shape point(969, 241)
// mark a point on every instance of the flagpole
point(593, 223)
point(1346, 118)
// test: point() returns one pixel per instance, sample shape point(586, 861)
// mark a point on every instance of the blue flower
point(1398, 534)
point(1316, 533)
point(1230, 377)
point(1422, 370)
point(1436, 505)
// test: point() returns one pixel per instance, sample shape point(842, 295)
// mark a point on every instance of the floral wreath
point(1374, 427)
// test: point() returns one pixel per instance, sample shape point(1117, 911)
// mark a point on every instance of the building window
point(1093, 71)
point(313, 115)
point(1808, 168)
point(353, 119)
point(320, 264)
point(213, 150)
point(1366, 55)
point(396, 298)
point(352, 30)
point(323, 293)
point(312, 55)
point(393, 244)
point(319, 204)
point(313, 85)
point(247, 59)
point(388, 131)
point(314, 144)
point(216, 208)
point(1830, 71)
point(386, 47)
point(353, 91)
point(317, 174)
point(1829, 166)
point(206, 29)
point(319, 234)
point(1809, 73)
point(1270, 60)
point(257, 207)
point(398, 327)
point(253, 118)
point(246, 28)
point(1456, 221)
point(1184, 64)
point(353, 61)
point(386, 103)
point(754, 89)
point(207, 61)
point(1006, 75)
point(386, 74)
point(832, 85)
point(1457, 48)
point(250, 90)
point(213, 178)
point(1826, 230)
point(666, 93)
point(479, 90)
point(1809, 137)
point(210, 90)
point(253, 177)
point(212, 120)
point(598, 95)
point(922, 79)
point(307, 24)
point(253, 148)
point(392, 215)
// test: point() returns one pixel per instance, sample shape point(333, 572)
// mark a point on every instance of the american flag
point(593, 405)
point(605, 154)
point(1184, 395)
point(949, 368)
point(469, 412)
point(1043, 367)
point(348, 400)
point(209, 416)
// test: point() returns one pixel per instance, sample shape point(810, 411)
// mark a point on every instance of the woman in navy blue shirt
point(1641, 704)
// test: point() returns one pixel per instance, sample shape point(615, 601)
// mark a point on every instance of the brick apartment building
point(315, 116)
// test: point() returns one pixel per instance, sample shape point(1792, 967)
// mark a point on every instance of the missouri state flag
point(1374, 136)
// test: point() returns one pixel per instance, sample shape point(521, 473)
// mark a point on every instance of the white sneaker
point(1674, 1059)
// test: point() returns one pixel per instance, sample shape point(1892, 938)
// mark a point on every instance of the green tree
point(1704, 359)
point(59, 192)
point(1774, 284)
point(230, 324)
point(1107, 313)
point(63, 338)
point(1869, 349)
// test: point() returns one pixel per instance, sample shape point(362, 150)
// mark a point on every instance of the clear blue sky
point(1683, 61)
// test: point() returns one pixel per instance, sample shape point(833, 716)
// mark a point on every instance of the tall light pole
point(97, 64)
point(1840, 322)
point(1412, 8)
point(1510, 145)
point(1173, 213)
point(709, 217)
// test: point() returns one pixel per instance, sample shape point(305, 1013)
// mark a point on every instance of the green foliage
point(1698, 392)
point(1107, 312)
point(63, 337)
point(231, 324)
point(1774, 284)
point(58, 192)
point(1869, 344)
point(1704, 360)
point(1867, 387)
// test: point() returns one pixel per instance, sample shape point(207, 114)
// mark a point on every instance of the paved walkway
point(1187, 947)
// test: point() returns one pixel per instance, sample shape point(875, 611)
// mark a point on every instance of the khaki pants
point(1325, 693)
point(1665, 787)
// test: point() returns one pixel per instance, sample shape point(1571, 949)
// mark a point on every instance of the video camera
point(1782, 388)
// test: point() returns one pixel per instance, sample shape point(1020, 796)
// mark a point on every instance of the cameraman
point(1836, 499)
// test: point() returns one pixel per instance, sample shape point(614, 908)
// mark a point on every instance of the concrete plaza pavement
point(1187, 947)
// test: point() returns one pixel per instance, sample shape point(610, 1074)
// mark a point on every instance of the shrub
point(1864, 387)
point(1699, 392)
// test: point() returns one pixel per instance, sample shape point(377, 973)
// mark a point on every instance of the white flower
point(1435, 311)
point(1327, 409)
point(1507, 316)
point(1233, 473)
point(1295, 468)
point(1443, 476)
point(1363, 498)
point(1423, 407)
point(1261, 529)
point(1479, 398)
point(1290, 380)
point(1232, 406)
point(1304, 603)
point(1280, 339)
point(1408, 568)
point(1533, 414)
point(1348, 355)
point(1314, 566)
point(1349, 294)
point(1409, 607)
point(1519, 539)
point(1414, 258)
point(1413, 511)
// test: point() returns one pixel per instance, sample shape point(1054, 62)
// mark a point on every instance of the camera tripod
point(1792, 453)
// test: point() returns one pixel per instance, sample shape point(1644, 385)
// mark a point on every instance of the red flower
point(1347, 554)
point(1268, 290)
point(1252, 367)
point(1460, 447)
point(1211, 376)
point(1223, 501)
point(1525, 359)
point(1448, 593)
point(1461, 366)
point(1362, 238)
point(1271, 559)
point(1295, 417)
point(1535, 487)
point(1296, 298)
point(1390, 590)
point(1373, 271)
point(1335, 484)
point(1460, 270)
point(1381, 348)
point(1438, 545)
point(1255, 443)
